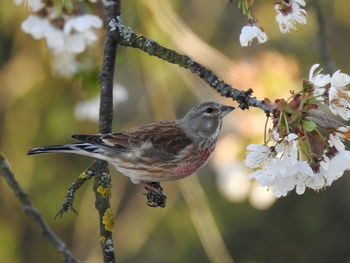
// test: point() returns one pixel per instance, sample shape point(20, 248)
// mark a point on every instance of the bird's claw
point(155, 198)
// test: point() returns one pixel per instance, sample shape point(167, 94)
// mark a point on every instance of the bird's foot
point(155, 195)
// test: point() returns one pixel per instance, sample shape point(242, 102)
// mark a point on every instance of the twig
point(69, 199)
point(32, 213)
point(102, 182)
point(128, 38)
point(322, 38)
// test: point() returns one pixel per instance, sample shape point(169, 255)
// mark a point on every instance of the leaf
point(315, 143)
point(322, 119)
point(309, 126)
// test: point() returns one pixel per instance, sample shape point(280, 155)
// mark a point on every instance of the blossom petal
point(340, 80)
point(257, 156)
point(249, 32)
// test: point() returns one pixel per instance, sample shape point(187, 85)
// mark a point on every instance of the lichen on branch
point(69, 199)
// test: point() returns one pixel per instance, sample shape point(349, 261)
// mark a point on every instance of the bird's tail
point(79, 148)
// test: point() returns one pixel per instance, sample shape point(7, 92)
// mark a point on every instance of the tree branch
point(102, 182)
point(32, 213)
point(322, 38)
point(102, 189)
point(112, 8)
point(69, 199)
point(128, 38)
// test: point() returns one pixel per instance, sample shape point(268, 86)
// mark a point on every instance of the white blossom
point(282, 171)
point(319, 81)
point(88, 109)
point(288, 150)
point(290, 14)
point(337, 166)
point(295, 177)
point(274, 165)
point(271, 170)
point(340, 80)
point(339, 98)
point(65, 64)
point(301, 172)
point(257, 156)
point(341, 111)
point(336, 141)
point(317, 181)
point(74, 37)
point(249, 32)
point(64, 43)
point(274, 135)
point(283, 177)
point(35, 5)
point(82, 23)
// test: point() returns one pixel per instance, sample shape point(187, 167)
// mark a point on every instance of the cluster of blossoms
point(306, 146)
point(67, 32)
point(289, 13)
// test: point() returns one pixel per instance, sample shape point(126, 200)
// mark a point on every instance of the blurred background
point(215, 216)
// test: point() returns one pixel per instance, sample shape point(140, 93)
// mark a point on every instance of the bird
point(155, 152)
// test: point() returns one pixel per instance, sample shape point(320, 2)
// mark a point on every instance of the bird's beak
point(224, 110)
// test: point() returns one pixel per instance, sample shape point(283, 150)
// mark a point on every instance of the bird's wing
point(166, 136)
point(97, 139)
point(160, 139)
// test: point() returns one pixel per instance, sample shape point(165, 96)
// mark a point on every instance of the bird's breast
point(193, 165)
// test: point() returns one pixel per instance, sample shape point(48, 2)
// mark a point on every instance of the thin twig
point(265, 128)
point(32, 213)
point(128, 38)
point(69, 199)
point(100, 170)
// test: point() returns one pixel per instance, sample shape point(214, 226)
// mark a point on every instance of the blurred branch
point(69, 199)
point(100, 168)
point(193, 193)
point(322, 38)
point(128, 38)
point(204, 222)
point(32, 213)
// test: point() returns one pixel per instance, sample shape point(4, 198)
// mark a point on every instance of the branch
point(32, 213)
point(102, 182)
point(69, 199)
point(128, 38)
point(322, 38)
point(102, 189)
point(112, 8)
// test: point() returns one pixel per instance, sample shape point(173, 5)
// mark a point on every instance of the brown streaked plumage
point(155, 152)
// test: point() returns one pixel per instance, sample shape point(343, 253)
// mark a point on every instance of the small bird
point(155, 152)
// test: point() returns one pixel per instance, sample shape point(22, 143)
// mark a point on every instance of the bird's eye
point(209, 110)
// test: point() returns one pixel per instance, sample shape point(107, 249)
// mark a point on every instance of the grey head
point(204, 121)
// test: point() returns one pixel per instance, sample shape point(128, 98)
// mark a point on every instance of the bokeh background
point(214, 216)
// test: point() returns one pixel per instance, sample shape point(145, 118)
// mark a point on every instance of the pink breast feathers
point(190, 168)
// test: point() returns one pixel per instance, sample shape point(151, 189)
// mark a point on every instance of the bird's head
point(204, 120)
